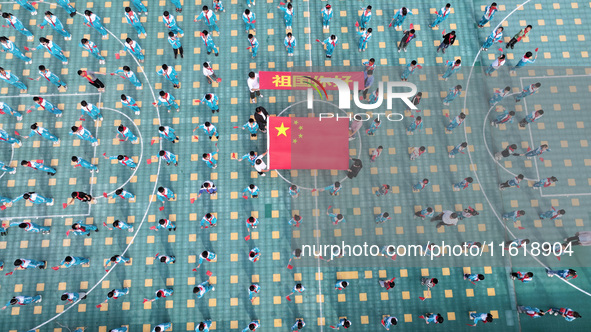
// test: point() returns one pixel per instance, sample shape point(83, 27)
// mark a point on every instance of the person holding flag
point(123, 194)
point(530, 90)
point(452, 67)
point(17, 25)
point(92, 79)
point(122, 225)
point(115, 294)
point(134, 48)
point(46, 105)
point(399, 17)
point(4, 137)
point(499, 95)
point(22, 300)
point(128, 75)
point(51, 77)
point(364, 18)
point(525, 59)
point(212, 101)
point(451, 95)
point(51, 48)
point(481, 317)
point(518, 37)
point(56, 24)
point(84, 163)
point(209, 160)
point(203, 288)
point(168, 133)
point(31, 227)
point(254, 47)
point(209, 17)
point(71, 261)
point(288, 14)
point(389, 321)
point(123, 160)
point(130, 103)
point(6, 109)
point(409, 70)
point(209, 129)
point(249, 19)
point(209, 220)
point(442, 14)
point(170, 23)
point(498, 63)
point(9, 46)
point(133, 19)
point(41, 131)
point(327, 14)
point(207, 187)
point(208, 256)
point(489, 12)
point(407, 37)
point(543, 183)
point(39, 166)
point(34, 198)
point(84, 134)
point(364, 37)
point(330, 43)
point(448, 39)
point(494, 37)
point(167, 100)
point(553, 214)
point(12, 79)
point(161, 293)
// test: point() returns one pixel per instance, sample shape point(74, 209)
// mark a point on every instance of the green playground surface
point(562, 67)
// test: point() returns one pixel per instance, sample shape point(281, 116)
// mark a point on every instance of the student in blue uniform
point(38, 165)
point(16, 24)
point(38, 130)
point(133, 19)
point(9, 46)
point(175, 42)
point(12, 79)
point(288, 15)
point(94, 21)
point(51, 48)
point(442, 14)
point(330, 43)
point(55, 23)
point(489, 13)
point(134, 48)
point(327, 14)
point(209, 18)
point(170, 23)
point(90, 110)
point(127, 74)
point(455, 122)
point(130, 103)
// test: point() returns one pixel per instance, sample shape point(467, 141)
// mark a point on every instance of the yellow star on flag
point(282, 130)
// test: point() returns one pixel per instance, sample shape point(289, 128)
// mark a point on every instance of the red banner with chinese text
point(286, 80)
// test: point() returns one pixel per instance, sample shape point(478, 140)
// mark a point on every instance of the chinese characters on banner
point(285, 80)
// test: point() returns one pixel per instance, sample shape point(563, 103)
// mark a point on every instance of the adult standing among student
point(253, 87)
point(261, 116)
point(355, 168)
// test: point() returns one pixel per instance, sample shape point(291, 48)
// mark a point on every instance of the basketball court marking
point(531, 135)
point(476, 173)
point(147, 207)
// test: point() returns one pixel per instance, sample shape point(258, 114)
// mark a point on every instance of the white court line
point(145, 213)
point(141, 143)
point(91, 183)
point(52, 95)
point(484, 126)
point(320, 304)
point(476, 173)
point(531, 135)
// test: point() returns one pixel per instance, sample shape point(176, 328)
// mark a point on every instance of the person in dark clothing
point(416, 100)
point(367, 84)
point(406, 39)
point(82, 197)
point(260, 117)
point(448, 39)
point(518, 37)
point(355, 167)
point(508, 151)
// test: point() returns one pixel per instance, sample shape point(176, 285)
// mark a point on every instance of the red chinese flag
point(308, 143)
